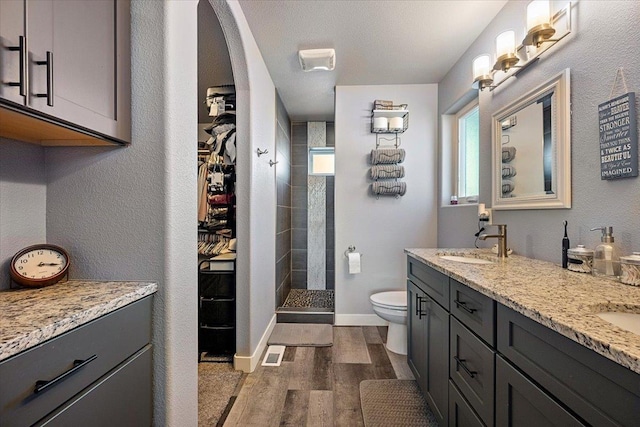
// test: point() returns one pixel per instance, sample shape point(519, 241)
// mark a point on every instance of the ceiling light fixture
point(317, 59)
point(539, 28)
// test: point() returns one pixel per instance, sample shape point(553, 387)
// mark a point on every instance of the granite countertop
point(30, 316)
point(562, 300)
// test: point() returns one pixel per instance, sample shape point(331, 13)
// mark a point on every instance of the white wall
point(381, 228)
point(593, 59)
point(256, 185)
point(23, 201)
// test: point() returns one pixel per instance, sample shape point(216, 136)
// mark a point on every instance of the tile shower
point(312, 222)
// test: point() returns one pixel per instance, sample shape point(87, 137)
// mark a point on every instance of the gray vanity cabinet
point(76, 67)
point(520, 402)
point(428, 353)
point(96, 374)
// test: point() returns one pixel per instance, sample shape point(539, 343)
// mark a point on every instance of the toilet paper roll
point(354, 262)
point(395, 123)
point(380, 123)
point(481, 209)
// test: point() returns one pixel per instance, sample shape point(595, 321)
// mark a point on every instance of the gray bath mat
point(387, 403)
point(301, 335)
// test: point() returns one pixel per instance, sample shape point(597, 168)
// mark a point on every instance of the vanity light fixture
point(512, 59)
point(482, 74)
point(506, 51)
point(539, 28)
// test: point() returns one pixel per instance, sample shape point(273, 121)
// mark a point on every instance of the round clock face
point(39, 265)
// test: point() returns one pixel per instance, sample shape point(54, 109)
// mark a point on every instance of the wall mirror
point(532, 149)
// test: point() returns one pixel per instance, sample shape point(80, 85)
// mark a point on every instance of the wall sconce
point(539, 28)
point(482, 74)
point(506, 51)
point(512, 60)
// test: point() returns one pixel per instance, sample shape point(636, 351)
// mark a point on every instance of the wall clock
point(39, 265)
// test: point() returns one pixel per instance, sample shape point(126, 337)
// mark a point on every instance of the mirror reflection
point(527, 155)
point(532, 149)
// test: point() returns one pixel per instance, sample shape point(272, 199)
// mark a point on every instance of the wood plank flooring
point(318, 386)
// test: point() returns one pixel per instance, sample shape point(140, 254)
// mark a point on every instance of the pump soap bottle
point(606, 256)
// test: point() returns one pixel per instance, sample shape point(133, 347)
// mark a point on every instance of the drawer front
point(460, 413)
point(519, 402)
point(474, 310)
point(472, 369)
point(216, 285)
point(218, 312)
point(111, 338)
point(122, 398)
point(597, 389)
point(432, 282)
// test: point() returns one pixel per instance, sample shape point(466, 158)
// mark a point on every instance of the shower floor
point(307, 306)
point(309, 298)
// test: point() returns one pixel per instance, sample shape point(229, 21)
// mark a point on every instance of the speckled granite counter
point(29, 317)
point(562, 300)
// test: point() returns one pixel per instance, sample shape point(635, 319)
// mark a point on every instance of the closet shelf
point(402, 113)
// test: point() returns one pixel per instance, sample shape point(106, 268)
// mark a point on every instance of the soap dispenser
point(606, 256)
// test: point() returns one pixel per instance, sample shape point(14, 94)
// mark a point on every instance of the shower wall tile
point(299, 197)
point(298, 279)
point(299, 238)
point(331, 279)
point(283, 196)
point(299, 218)
point(299, 175)
point(299, 133)
point(299, 259)
point(299, 155)
point(283, 244)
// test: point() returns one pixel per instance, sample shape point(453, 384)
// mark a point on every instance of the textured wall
point(283, 220)
point(605, 37)
point(316, 214)
point(381, 228)
point(124, 213)
point(23, 201)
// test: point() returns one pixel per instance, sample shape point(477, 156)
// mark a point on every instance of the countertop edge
point(606, 349)
point(58, 327)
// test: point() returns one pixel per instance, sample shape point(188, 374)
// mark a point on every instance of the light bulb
point(481, 66)
point(538, 12)
point(506, 43)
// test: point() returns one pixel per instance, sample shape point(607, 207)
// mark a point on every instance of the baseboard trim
point(359, 320)
point(249, 363)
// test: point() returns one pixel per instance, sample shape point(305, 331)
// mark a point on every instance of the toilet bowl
point(392, 307)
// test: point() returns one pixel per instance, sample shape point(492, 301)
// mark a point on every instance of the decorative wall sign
point(618, 137)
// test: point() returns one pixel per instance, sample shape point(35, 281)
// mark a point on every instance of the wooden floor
point(318, 386)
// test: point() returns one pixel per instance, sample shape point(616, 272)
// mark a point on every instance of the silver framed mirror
point(531, 149)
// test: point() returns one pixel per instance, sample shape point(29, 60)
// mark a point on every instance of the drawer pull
point(77, 365)
point(461, 363)
point(463, 305)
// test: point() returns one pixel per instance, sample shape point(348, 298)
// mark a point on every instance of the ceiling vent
point(317, 59)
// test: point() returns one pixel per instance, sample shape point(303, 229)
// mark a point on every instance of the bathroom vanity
point(519, 342)
point(76, 353)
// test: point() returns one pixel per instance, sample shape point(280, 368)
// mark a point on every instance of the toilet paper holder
point(349, 250)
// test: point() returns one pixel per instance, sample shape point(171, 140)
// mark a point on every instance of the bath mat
point(394, 403)
point(302, 335)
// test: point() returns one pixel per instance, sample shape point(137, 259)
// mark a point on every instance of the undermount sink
point(627, 321)
point(466, 260)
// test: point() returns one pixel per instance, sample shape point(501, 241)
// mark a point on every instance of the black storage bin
point(219, 340)
point(218, 312)
point(214, 284)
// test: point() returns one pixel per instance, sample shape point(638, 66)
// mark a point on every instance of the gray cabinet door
point(520, 403)
point(416, 343)
point(437, 353)
point(11, 34)
point(79, 63)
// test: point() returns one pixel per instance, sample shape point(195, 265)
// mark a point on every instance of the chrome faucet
point(502, 239)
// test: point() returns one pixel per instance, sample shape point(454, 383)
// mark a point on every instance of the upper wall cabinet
point(65, 71)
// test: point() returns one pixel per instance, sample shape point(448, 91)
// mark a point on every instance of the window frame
point(456, 162)
point(321, 151)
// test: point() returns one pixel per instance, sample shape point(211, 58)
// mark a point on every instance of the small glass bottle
point(606, 256)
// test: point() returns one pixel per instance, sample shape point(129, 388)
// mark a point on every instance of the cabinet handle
point(419, 311)
point(49, 64)
point(42, 385)
point(22, 48)
point(461, 363)
point(463, 305)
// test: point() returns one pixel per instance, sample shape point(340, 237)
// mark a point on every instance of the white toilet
point(392, 307)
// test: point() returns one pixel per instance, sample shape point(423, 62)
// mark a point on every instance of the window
point(321, 161)
point(468, 147)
